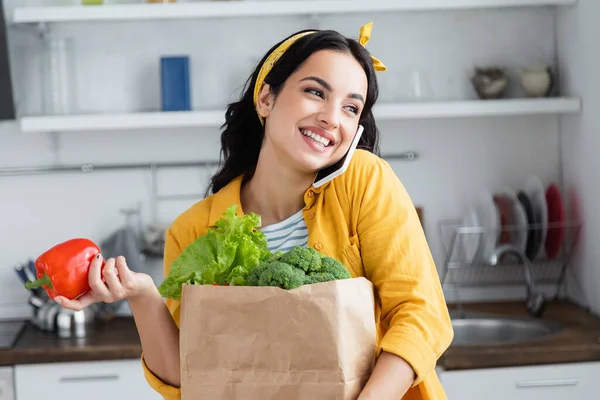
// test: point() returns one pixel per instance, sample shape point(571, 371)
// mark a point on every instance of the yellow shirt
point(365, 219)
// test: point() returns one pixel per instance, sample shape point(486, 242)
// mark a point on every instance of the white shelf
point(215, 118)
point(478, 108)
point(102, 122)
point(245, 8)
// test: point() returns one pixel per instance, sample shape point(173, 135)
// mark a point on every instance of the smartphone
point(328, 173)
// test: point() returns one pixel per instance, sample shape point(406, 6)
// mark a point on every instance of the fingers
point(112, 277)
point(76, 305)
point(120, 281)
point(110, 280)
point(125, 275)
point(99, 288)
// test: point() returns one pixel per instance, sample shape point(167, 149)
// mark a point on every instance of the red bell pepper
point(63, 269)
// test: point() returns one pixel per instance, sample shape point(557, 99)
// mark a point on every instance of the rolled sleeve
point(166, 391)
point(412, 348)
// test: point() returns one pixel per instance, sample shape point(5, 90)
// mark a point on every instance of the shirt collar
point(320, 188)
point(230, 195)
point(226, 197)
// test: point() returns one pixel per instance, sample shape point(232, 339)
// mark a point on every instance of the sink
point(494, 330)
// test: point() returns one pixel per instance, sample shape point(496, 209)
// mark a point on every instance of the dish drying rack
point(459, 271)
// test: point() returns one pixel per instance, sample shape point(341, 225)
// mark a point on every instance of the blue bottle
point(175, 83)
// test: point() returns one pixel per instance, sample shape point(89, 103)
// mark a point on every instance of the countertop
point(114, 340)
point(118, 339)
point(578, 342)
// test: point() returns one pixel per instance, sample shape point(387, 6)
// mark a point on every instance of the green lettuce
point(224, 255)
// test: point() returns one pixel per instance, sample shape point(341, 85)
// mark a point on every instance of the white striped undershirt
point(286, 234)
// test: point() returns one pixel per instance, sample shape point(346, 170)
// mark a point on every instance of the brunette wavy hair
point(243, 132)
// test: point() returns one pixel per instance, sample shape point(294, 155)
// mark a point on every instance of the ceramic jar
point(489, 82)
point(536, 81)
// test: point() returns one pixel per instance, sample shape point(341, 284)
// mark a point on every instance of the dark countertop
point(114, 340)
point(578, 342)
point(118, 339)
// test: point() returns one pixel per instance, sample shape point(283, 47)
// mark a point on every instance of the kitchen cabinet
point(548, 382)
point(97, 380)
point(6, 384)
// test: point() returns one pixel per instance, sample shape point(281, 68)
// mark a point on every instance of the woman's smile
point(317, 138)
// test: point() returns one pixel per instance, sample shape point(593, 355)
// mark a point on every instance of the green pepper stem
point(45, 280)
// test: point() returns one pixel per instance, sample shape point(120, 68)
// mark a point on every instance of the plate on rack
point(517, 220)
point(468, 243)
point(537, 196)
point(489, 221)
point(556, 218)
point(533, 237)
point(503, 207)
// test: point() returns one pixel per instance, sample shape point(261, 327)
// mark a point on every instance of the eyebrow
point(327, 86)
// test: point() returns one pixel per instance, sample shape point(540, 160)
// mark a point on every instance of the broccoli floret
point(254, 274)
point(305, 258)
point(296, 267)
point(275, 256)
point(282, 275)
point(334, 267)
point(331, 269)
point(317, 277)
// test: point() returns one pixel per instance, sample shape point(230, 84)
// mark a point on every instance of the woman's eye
point(316, 92)
point(353, 109)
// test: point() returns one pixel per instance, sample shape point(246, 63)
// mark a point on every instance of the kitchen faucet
point(535, 301)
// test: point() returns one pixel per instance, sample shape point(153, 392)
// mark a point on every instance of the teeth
point(314, 136)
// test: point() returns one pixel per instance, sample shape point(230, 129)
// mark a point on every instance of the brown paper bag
point(257, 343)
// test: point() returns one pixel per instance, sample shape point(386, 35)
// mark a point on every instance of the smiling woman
point(298, 115)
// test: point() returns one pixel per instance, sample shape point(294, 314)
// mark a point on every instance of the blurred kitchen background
point(488, 114)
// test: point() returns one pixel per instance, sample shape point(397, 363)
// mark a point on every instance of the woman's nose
point(330, 116)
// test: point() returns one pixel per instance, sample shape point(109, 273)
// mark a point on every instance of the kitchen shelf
point(477, 108)
point(215, 118)
point(243, 8)
point(102, 122)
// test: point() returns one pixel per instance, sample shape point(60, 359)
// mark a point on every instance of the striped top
point(286, 234)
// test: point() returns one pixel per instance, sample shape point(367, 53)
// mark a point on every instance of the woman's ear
point(264, 103)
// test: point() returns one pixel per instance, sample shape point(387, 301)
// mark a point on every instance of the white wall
point(117, 71)
point(578, 32)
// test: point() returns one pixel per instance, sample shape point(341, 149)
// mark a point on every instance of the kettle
point(51, 317)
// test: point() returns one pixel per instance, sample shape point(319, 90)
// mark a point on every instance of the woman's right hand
point(112, 283)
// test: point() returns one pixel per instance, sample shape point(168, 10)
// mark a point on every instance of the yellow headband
point(365, 35)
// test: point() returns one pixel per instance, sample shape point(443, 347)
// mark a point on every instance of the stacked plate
point(530, 219)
